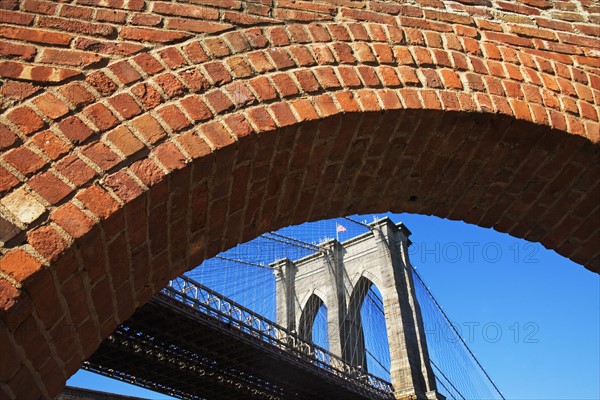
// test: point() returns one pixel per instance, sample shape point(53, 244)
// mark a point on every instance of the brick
point(260, 62)
point(263, 88)
point(302, 56)
point(98, 201)
point(19, 265)
point(325, 105)
point(26, 120)
point(283, 114)
point(368, 100)
point(368, 76)
point(281, 58)
point(23, 206)
point(50, 144)
point(125, 72)
point(173, 117)
point(327, 78)
point(304, 109)
point(347, 101)
point(148, 63)
point(219, 101)
point(343, 53)
point(102, 156)
point(124, 141)
point(170, 85)
point(113, 16)
point(125, 105)
point(39, 7)
point(123, 186)
point(15, 18)
point(237, 42)
point(239, 125)
point(189, 11)
point(451, 79)
point(24, 160)
point(147, 171)
point(285, 85)
point(147, 95)
point(17, 90)
point(149, 128)
point(217, 47)
point(75, 130)
point(195, 53)
point(172, 57)
point(256, 38)
point(432, 79)
point(240, 94)
point(7, 137)
point(408, 76)
point(239, 67)
point(169, 155)
point(101, 116)
point(51, 106)
point(102, 83)
point(76, 94)
point(194, 80)
point(197, 26)
point(75, 170)
point(73, 58)
point(349, 77)
point(384, 53)
point(217, 73)
point(308, 82)
point(108, 47)
point(278, 36)
point(72, 220)
point(323, 55)
point(70, 25)
point(7, 181)
point(217, 134)
point(49, 187)
point(152, 35)
point(146, 20)
point(261, 119)
point(35, 35)
point(196, 108)
point(363, 53)
point(12, 50)
point(193, 144)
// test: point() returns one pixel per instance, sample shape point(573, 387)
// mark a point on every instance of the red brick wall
point(138, 138)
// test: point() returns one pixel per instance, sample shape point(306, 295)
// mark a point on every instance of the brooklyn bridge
point(346, 323)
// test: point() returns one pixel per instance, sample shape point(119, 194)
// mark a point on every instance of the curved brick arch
point(462, 111)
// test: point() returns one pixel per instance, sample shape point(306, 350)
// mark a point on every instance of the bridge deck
point(181, 350)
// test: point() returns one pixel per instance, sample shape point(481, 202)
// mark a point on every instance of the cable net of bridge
point(243, 274)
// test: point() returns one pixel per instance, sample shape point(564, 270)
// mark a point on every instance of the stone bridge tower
point(339, 276)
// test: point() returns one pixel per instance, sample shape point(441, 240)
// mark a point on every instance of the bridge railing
point(191, 293)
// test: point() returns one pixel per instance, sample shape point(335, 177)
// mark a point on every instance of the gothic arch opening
point(367, 342)
point(312, 326)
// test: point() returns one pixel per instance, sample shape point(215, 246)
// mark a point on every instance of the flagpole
point(337, 234)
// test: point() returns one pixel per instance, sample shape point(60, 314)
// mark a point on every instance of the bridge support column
point(285, 275)
point(411, 373)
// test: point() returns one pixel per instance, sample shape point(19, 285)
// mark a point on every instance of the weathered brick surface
point(485, 111)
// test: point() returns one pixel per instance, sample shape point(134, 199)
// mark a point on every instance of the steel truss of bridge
point(191, 342)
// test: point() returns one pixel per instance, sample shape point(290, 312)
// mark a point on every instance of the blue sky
point(531, 316)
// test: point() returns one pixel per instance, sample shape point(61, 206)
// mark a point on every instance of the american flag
point(339, 228)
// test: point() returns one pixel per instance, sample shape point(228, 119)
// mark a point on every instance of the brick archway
point(132, 148)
